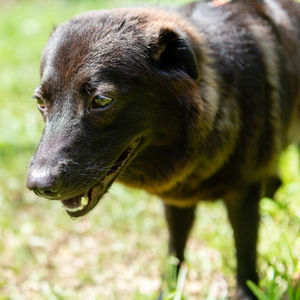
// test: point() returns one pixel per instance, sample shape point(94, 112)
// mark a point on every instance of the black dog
point(189, 105)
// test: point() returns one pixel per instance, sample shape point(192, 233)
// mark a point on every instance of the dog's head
point(112, 86)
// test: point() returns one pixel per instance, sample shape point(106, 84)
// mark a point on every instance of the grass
point(118, 251)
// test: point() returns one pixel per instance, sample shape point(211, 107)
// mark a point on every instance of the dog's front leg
point(244, 217)
point(180, 221)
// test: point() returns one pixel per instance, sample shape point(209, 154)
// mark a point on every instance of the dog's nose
point(44, 182)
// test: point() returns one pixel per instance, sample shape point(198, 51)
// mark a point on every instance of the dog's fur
point(211, 93)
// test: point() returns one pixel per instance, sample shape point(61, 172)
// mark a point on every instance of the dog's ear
point(173, 51)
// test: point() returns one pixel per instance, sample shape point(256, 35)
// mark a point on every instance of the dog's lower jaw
point(82, 204)
point(76, 204)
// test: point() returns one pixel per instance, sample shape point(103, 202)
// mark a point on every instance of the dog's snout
point(45, 182)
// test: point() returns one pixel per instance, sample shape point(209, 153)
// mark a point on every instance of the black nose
point(44, 182)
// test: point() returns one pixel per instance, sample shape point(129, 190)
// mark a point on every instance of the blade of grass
point(256, 291)
point(180, 283)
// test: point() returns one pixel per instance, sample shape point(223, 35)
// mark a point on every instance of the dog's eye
point(40, 104)
point(100, 102)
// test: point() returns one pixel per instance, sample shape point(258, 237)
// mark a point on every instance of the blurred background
point(119, 250)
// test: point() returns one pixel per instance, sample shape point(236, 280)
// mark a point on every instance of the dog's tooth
point(84, 201)
point(74, 209)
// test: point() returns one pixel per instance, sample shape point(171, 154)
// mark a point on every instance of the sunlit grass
point(118, 251)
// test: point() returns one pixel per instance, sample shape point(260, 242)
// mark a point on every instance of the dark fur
point(212, 92)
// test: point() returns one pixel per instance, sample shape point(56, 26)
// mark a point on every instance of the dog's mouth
point(80, 205)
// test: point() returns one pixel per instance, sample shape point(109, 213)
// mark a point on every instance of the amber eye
point(100, 102)
point(40, 104)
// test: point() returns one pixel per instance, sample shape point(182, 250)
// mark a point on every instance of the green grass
point(118, 251)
